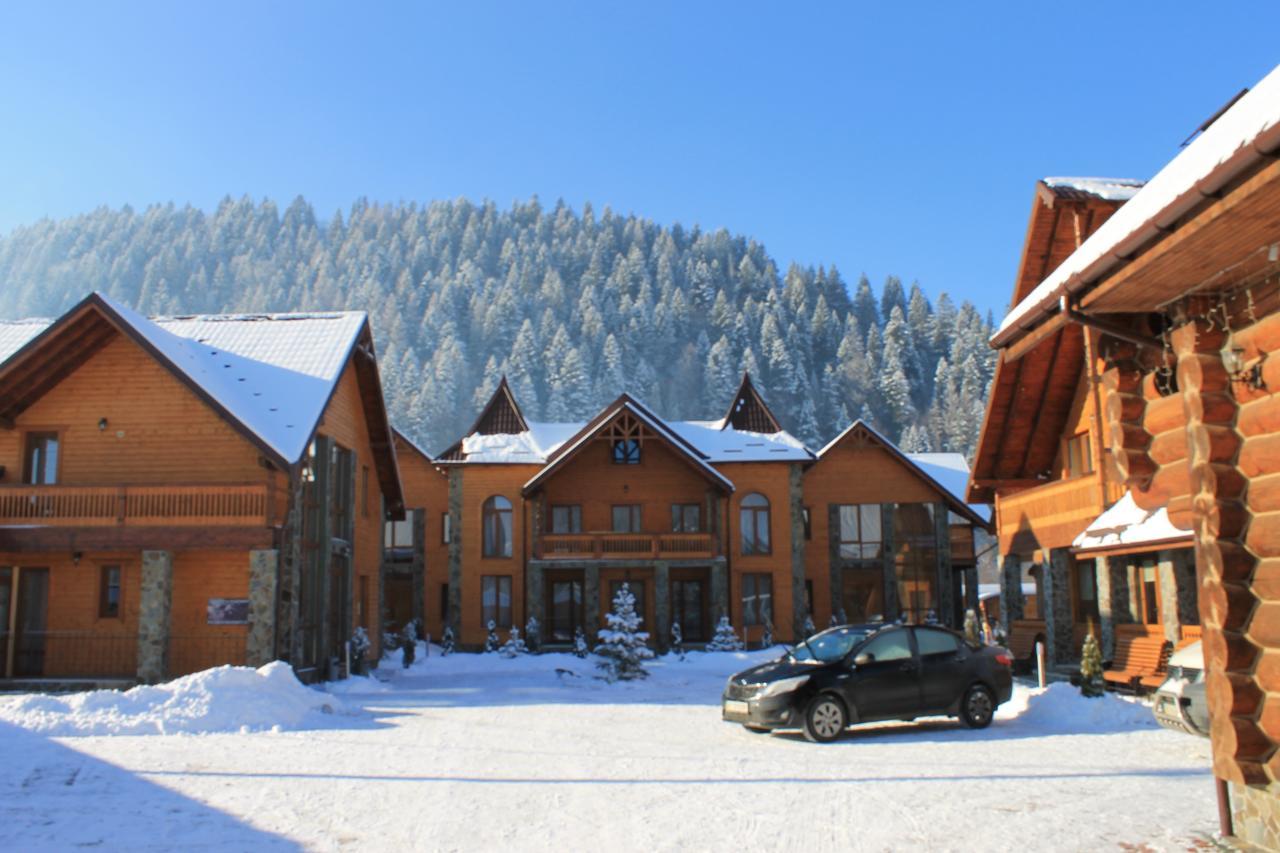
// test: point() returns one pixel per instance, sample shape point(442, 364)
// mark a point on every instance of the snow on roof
point(992, 590)
point(1108, 189)
point(273, 373)
point(532, 446)
point(726, 444)
point(15, 334)
point(1235, 129)
point(1125, 524)
point(951, 471)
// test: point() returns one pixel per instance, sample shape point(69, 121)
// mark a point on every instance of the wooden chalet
point(1065, 522)
point(702, 519)
point(181, 492)
point(1175, 301)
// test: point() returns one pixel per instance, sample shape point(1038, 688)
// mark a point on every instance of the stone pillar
point(798, 609)
point(535, 594)
point(1011, 601)
point(660, 633)
point(454, 617)
point(892, 606)
point(260, 648)
point(971, 589)
point(290, 576)
point(1113, 600)
point(591, 602)
point(1056, 606)
point(835, 564)
point(1186, 599)
point(946, 585)
point(419, 519)
point(719, 592)
point(1255, 814)
point(154, 605)
point(1168, 596)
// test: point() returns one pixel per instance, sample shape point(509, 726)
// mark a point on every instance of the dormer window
point(626, 451)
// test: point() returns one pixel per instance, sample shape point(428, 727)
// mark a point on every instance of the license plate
point(734, 706)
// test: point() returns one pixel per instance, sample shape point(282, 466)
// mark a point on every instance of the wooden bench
point(1023, 635)
point(1190, 634)
point(1140, 662)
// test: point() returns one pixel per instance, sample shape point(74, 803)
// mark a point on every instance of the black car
point(861, 673)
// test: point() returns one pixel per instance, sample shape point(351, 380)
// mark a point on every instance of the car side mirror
point(864, 659)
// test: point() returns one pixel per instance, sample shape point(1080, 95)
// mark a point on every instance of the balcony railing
point(1048, 516)
point(138, 506)
point(625, 546)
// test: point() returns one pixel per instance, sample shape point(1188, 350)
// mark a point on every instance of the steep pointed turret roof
point(749, 412)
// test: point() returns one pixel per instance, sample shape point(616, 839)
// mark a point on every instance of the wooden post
point(1040, 663)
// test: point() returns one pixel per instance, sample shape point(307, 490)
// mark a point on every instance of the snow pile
point(222, 699)
point(1061, 709)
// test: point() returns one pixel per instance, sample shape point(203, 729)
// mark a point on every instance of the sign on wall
point(228, 611)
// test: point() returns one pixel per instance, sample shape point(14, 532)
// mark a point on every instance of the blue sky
point(885, 138)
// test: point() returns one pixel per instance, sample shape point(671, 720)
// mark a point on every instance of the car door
point(943, 668)
point(888, 684)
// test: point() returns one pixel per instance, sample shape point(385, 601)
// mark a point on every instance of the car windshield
point(831, 645)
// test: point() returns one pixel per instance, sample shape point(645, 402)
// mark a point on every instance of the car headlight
point(785, 685)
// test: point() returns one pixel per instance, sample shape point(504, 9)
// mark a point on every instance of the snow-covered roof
point(1165, 197)
point(532, 446)
point(951, 471)
point(1127, 524)
point(1108, 189)
point(992, 590)
point(273, 373)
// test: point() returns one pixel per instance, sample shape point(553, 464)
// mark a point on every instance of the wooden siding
point(773, 481)
point(426, 488)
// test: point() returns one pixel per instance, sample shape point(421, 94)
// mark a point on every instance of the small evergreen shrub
point(725, 639)
point(622, 646)
point(1091, 683)
point(491, 642)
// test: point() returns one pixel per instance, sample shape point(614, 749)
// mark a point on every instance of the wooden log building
point(1173, 303)
point(728, 517)
point(182, 492)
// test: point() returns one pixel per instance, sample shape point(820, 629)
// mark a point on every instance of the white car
point(1180, 703)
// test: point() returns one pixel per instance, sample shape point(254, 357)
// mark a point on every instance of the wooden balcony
point(1049, 516)
point(246, 505)
point(626, 546)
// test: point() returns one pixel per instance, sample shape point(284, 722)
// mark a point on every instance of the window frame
point(491, 514)
point(575, 519)
point(104, 588)
point(635, 518)
point(625, 451)
point(678, 517)
point(390, 541)
point(1080, 446)
point(28, 467)
point(497, 583)
point(752, 581)
point(749, 545)
point(860, 543)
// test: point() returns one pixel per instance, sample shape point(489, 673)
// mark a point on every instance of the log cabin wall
point(772, 480)
point(426, 490)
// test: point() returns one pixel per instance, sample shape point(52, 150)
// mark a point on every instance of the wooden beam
point(35, 539)
point(1035, 337)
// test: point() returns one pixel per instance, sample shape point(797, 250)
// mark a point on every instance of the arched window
point(496, 523)
point(754, 522)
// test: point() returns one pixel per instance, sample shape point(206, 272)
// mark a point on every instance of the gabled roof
point(411, 444)
point(270, 376)
point(500, 416)
point(1105, 189)
point(626, 404)
point(749, 412)
point(945, 473)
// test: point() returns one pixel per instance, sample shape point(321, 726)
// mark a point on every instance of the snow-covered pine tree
point(491, 642)
point(622, 645)
point(533, 635)
point(580, 643)
point(725, 639)
point(447, 642)
point(766, 638)
point(677, 639)
point(514, 645)
point(971, 631)
point(1091, 683)
point(360, 646)
point(809, 628)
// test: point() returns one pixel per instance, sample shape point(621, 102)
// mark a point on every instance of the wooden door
point(32, 623)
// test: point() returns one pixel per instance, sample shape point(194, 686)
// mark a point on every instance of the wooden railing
point(1048, 516)
point(138, 506)
point(625, 546)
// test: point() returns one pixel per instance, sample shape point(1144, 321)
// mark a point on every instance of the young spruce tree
point(622, 645)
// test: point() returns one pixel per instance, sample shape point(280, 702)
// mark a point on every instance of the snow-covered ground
point(477, 752)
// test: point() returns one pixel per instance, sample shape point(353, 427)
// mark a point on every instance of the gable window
point(626, 518)
point(40, 465)
point(754, 522)
point(626, 451)
point(861, 535)
point(109, 592)
point(566, 519)
point(1077, 452)
point(686, 518)
point(495, 597)
point(757, 598)
point(496, 521)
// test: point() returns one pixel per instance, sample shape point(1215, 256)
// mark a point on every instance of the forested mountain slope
point(572, 307)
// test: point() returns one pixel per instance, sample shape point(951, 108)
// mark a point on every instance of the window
point(686, 518)
point(688, 606)
point(444, 604)
point(1078, 455)
point(495, 599)
point(41, 460)
point(1086, 594)
point(637, 589)
point(808, 597)
point(890, 646)
point(626, 451)
point(757, 598)
point(496, 521)
point(446, 528)
point(566, 519)
point(916, 561)
point(1146, 589)
point(861, 535)
point(932, 642)
point(109, 593)
point(808, 524)
point(754, 521)
point(626, 518)
point(364, 491)
point(398, 534)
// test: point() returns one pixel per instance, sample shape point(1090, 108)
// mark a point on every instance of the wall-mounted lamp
point(102, 424)
point(75, 557)
point(1239, 370)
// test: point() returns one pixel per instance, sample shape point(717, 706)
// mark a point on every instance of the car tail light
point(1004, 660)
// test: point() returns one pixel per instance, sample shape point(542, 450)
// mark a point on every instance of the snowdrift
point(1061, 709)
point(222, 699)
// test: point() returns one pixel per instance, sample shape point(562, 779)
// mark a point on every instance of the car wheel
point(756, 730)
point(978, 707)
point(825, 719)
